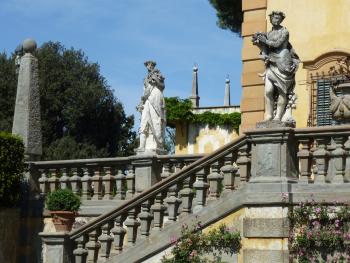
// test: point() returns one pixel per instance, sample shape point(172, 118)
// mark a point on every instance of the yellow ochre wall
point(316, 27)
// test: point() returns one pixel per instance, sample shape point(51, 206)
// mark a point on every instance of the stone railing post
point(64, 180)
point(304, 156)
point(147, 172)
point(201, 187)
point(321, 156)
point(338, 155)
point(119, 184)
point(53, 180)
point(229, 172)
point(273, 157)
point(215, 180)
point(130, 182)
point(56, 247)
point(108, 180)
point(75, 181)
point(243, 163)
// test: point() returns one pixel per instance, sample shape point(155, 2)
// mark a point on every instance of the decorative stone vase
point(63, 220)
point(340, 104)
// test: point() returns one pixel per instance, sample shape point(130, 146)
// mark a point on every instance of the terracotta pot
point(63, 220)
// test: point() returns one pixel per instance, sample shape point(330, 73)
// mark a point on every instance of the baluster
point(43, 182)
point(321, 156)
point(75, 181)
point(304, 156)
point(178, 166)
point(146, 218)
point(347, 160)
point(86, 184)
point(106, 241)
point(187, 195)
point(338, 155)
point(80, 252)
point(97, 183)
point(201, 187)
point(64, 180)
point(53, 180)
point(132, 224)
point(119, 233)
point(130, 182)
point(215, 182)
point(158, 211)
point(173, 203)
point(120, 179)
point(92, 246)
point(243, 162)
point(108, 181)
point(166, 171)
point(229, 172)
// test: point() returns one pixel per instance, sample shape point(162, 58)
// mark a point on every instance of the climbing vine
point(180, 110)
point(194, 246)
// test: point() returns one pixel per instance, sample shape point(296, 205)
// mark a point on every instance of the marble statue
point(152, 108)
point(281, 64)
point(19, 54)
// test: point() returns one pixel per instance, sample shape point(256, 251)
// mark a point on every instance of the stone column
point(274, 158)
point(56, 247)
point(147, 172)
point(26, 121)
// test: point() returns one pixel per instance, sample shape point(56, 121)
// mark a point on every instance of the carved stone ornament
point(281, 64)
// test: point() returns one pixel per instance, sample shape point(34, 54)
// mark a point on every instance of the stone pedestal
point(55, 247)
point(273, 155)
point(147, 172)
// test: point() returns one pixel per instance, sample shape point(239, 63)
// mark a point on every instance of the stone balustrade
point(101, 179)
point(264, 157)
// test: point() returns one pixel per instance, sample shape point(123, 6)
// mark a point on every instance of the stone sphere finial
point(29, 45)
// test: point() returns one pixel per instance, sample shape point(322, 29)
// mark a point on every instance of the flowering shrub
point(193, 245)
point(320, 232)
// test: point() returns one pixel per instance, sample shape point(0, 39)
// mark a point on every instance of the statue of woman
point(281, 65)
point(152, 108)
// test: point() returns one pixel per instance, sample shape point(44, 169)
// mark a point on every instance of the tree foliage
point(229, 14)
point(11, 168)
point(81, 118)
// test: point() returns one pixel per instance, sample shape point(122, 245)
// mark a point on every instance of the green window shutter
point(323, 113)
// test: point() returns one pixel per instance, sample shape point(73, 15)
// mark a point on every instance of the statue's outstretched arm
point(284, 36)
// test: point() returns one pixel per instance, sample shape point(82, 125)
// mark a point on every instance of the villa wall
point(193, 138)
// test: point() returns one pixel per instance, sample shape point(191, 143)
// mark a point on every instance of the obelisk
point(27, 121)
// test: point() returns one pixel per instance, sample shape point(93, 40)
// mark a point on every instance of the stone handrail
point(175, 193)
point(96, 179)
point(324, 154)
point(282, 155)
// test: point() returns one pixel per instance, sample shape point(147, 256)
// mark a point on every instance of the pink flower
point(173, 240)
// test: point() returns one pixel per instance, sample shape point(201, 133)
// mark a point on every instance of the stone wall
point(9, 231)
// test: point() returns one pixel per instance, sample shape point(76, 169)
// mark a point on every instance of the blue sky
point(121, 34)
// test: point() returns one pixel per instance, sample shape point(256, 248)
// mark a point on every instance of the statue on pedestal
point(152, 108)
point(281, 65)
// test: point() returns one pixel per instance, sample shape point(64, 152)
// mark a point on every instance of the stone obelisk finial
point(227, 99)
point(27, 121)
point(194, 97)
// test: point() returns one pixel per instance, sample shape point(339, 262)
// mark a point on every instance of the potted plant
point(63, 205)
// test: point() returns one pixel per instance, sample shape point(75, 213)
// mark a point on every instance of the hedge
point(11, 169)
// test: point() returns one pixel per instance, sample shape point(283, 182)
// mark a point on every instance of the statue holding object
point(281, 64)
point(152, 108)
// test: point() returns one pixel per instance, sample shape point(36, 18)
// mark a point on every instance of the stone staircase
point(241, 183)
